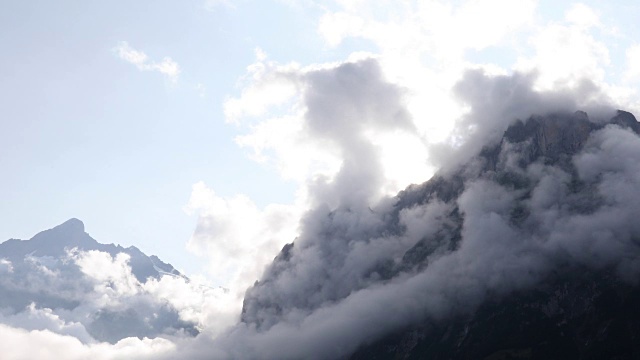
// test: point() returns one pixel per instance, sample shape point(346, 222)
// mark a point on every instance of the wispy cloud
point(167, 66)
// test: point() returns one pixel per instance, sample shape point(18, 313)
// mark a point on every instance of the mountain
point(55, 242)
point(529, 250)
point(66, 273)
point(571, 315)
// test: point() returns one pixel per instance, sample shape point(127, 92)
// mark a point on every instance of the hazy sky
point(112, 111)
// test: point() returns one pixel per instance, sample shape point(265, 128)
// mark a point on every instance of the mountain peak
point(553, 134)
point(70, 232)
point(555, 137)
point(72, 225)
point(626, 119)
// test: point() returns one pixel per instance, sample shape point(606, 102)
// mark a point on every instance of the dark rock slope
point(574, 315)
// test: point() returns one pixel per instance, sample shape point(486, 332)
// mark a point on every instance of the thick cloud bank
point(556, 192)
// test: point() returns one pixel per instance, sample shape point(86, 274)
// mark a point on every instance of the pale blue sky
point(85, 134)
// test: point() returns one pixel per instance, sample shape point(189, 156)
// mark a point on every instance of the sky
point(203, 131)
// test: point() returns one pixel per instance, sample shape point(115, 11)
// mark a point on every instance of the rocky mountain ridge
point(71, 234)
point(73, 279)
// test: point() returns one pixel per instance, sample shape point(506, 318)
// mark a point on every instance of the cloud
point(495, 102)
point(567, 52)
point(268, 85)
point(112, 275)
point(196, 302)
point(364, 264)
point(343, 115)
point(316, 123)
point(583, 16)
point(167, 66)
point(347, 279)
point(43, 344)
point(94, 297)
point(633, 60)
point(5, 266)
point(34, 318)
point(421, 26)
point(237, 253)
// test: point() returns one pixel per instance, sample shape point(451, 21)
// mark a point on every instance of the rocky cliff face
point(531, 251)
point(574, 315)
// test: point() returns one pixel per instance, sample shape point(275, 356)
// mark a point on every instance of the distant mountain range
point(530, 250)
point(54, 243)
point(66, 270)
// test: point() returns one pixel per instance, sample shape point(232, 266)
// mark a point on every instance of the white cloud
point(34, 318)
point(213, 309)
point(112, 277)
point(19, 344)
point(337, 26)
point(267, 84)
point(237, 237)
point(422, 49)
point(583, 16)
point(439, 28)
point(308, 121)
point(566, 54)
point(5, 266)
point(632, 72)
point(167, 66)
